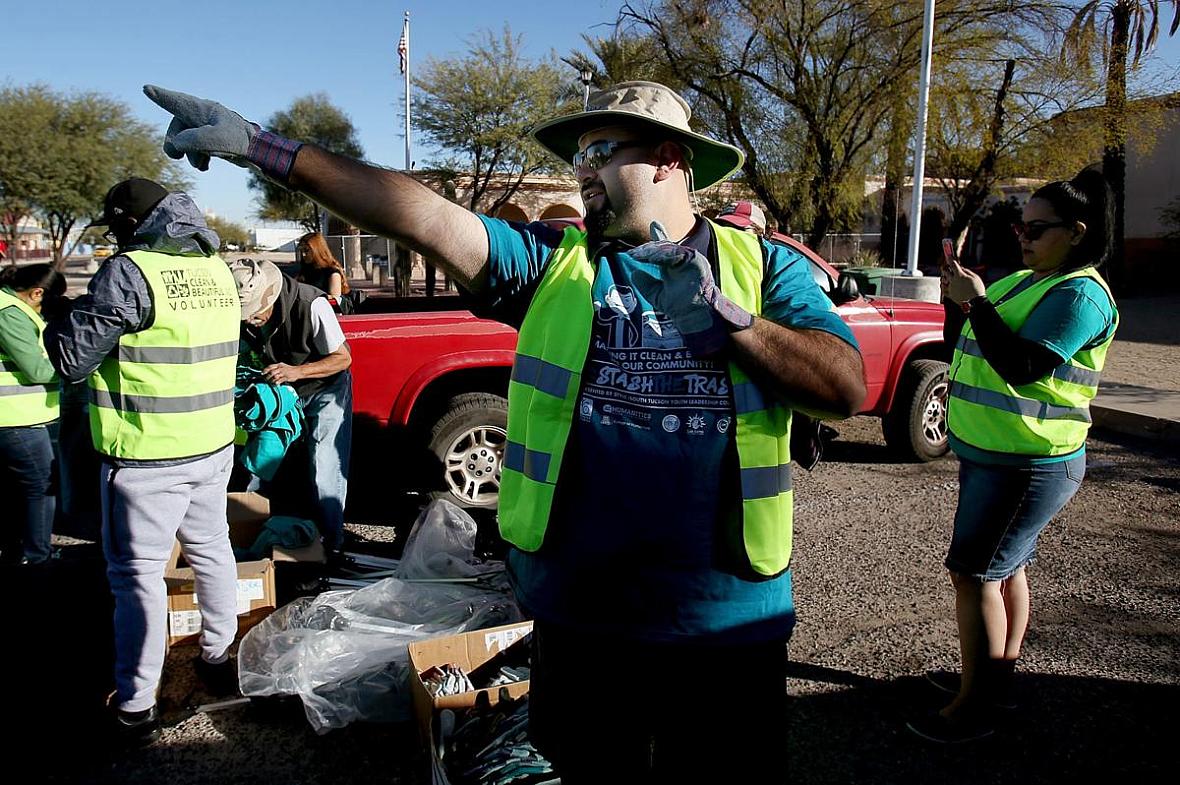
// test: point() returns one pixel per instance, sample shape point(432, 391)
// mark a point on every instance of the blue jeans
point(1002, 510)
point(328, 432)
point(27, 455)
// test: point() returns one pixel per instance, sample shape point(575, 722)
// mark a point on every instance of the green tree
point(314, 119)
point(60, 153)
point(620, 58)
point(1120, 33)
point(808, 89)
point(231, 233)
point(477, 110)
point(990, 109)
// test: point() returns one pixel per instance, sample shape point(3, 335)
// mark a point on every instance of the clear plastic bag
point(344, 652)
point(441, 544)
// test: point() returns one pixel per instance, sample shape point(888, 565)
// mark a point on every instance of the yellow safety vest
point(1049, 416)
point(22, 402)
point(167, 391)
point(546, 379)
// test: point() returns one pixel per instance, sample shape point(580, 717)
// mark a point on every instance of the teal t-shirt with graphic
point(634, 544)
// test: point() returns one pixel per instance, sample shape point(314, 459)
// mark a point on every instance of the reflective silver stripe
point(150, 404)
point(27, 389)
point(531, 463)
point(747, 398)
point(1024, 407)
point(171, 355)
point(1066, 372)
point(968, 346)
point(545, 376)
point(765, 481)
point(1072, 373)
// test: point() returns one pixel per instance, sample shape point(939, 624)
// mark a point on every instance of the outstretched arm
point(394, 205)
point(384, 202)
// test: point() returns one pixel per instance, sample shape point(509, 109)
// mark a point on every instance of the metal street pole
point(406, 38)
point(911, 263)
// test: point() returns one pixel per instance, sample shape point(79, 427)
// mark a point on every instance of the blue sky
point(256, 56)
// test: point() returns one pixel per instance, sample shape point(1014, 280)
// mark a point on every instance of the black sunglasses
point(1034, 229)
point(598, 154)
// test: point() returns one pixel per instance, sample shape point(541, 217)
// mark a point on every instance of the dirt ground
point(1099, 680)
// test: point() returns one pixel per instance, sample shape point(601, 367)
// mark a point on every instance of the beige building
point(1153, 189)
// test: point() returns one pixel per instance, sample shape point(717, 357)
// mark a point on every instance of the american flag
point(403, 47)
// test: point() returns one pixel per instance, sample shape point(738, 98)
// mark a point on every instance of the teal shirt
point(1075, 314)
point(649, 475)
point(18, 340)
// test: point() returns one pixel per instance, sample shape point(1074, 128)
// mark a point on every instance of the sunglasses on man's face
point(598, 154)
point(1034, 229)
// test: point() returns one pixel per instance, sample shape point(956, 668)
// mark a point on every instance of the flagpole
point(406, 38)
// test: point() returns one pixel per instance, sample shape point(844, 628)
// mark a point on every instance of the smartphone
point(948, 251)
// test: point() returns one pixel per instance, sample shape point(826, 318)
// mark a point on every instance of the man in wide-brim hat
point(644, 484)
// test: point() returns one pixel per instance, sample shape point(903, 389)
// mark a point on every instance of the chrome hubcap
point(473, 465)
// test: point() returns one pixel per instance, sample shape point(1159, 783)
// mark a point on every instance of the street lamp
point(586, 75)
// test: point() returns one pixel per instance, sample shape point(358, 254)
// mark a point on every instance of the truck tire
point(468, 439)
point(915, 428)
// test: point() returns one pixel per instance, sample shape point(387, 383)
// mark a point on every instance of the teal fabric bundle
point(272, 418)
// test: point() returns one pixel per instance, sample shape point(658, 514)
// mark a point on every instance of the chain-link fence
point(385, 263)
point(847, 248)
point(364, 250)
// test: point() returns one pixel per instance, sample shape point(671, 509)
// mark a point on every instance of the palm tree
point(1130, 24)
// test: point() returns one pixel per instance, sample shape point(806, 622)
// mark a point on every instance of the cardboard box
point(247, 512)
point(468, 650)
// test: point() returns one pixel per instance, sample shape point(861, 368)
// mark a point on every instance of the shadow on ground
point(1068, 729)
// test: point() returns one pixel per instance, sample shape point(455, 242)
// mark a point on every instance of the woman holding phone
point(1029, 350)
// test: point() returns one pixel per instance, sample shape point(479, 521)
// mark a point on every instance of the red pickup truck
point(437, 376)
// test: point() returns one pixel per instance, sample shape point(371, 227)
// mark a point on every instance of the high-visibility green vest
point(1050, 416)
point(21, 401)
point(168, 390)
point(546, 379)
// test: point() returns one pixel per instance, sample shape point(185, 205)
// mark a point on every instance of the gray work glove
point(201, 128)
point(686, 293)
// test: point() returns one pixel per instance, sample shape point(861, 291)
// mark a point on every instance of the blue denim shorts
point(1002, 510)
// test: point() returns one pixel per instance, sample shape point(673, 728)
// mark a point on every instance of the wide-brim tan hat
point(647, 103)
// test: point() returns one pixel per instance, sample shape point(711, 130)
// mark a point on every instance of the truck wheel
point(468, 440)
point(915, 427)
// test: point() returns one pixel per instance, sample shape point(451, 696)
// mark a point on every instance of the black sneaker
point(221, 679)
point(134, 729)
point(940, 730)
point(949, 681)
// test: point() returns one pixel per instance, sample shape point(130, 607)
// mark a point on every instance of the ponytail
point(1086, 198)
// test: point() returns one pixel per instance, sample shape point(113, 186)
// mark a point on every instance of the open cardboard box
point(468, 650)
point(247, 512)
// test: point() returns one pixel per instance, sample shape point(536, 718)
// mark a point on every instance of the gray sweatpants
point(146, 510)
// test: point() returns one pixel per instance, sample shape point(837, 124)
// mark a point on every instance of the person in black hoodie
point(292, 336)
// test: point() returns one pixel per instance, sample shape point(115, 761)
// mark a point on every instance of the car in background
point(904, 354)
point(101, 251)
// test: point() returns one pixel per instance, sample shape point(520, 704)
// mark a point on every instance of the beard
point(598, 221)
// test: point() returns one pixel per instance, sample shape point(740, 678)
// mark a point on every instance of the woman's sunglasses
point(598, 154)
point(1034, 229)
